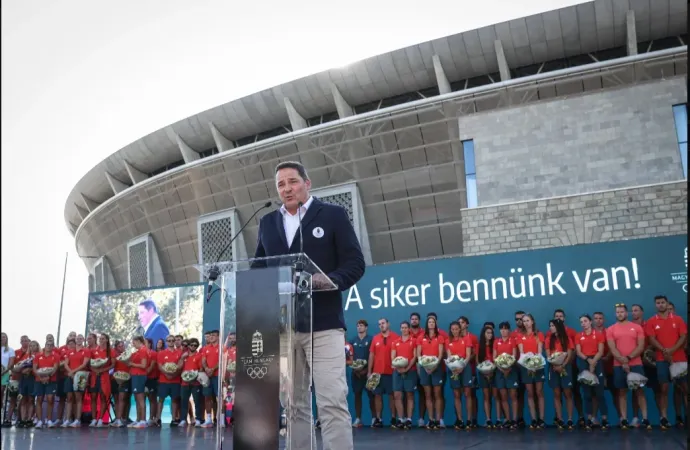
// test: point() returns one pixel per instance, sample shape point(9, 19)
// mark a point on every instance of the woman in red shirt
point(461, 382)
point(152, 382)
point(560, 376)
point(76, 360)
point(431, 344)
point(530, 340)
point(99, 386)
point(405, 379)
point(506, 380)
point(190, 360)
point(589, 348)
point(121, 389)
point(139, 365)
point(487, 383)
point(46, 386)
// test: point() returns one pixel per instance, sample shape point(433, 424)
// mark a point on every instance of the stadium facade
point(561, 128)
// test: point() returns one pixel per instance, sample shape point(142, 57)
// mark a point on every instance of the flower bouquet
point(126, 355)
point(455, 363)
point(203, 379)
point(532, 362)
point(400, 363)
point(373, 381)
point(635, 380)
point(587, 378)
point(96, 363)
point(359, 364)
point(231, 367)
point(13, 386)
point(25, 364)
point(79, 381)
point(429, 363)
point(678, 370)
point(169, 368)
point(121, 377)
point(45, 372)
point(557, 358)
point(189, 375)
point(504, 361)
point(486, 368)
point(649, 357)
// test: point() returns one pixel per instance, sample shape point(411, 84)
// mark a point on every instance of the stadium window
point(470, 173)
point(680, 115)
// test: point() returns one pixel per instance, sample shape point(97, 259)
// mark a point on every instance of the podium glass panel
point(265, 379)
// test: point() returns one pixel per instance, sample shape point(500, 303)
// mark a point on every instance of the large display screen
point(153, 313)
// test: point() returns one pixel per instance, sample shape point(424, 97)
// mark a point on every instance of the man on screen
point(331, 242)
point(153, 325)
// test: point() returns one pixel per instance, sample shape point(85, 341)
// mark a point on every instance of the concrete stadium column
point(90, 204)
point(342, 106)
point(116, 185)
point(502, 63)
point(73, 228)
point(631, 33)
point(188, 153)
point(441, 78)
point(82, 212)
point(296, 120)
point(222, 143)
point(135, 175)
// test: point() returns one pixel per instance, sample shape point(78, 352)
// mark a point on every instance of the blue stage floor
point(365, 439)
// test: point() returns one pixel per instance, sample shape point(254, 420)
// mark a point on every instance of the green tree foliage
point(117, 314)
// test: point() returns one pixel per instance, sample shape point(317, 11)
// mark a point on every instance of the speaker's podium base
point(267, 302)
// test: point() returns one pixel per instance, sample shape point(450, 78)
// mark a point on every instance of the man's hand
point(626, 368)
point(320, 281)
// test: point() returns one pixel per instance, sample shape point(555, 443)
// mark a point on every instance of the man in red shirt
point(380, 362)
point(626, 340)
point(210, 360)
point(667, 333)
point(169, 383)
point(599, 325)
point(516, 335)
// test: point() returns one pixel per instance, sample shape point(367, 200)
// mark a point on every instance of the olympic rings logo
point(257, 372)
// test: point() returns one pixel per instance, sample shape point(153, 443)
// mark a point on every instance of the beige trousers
point(330, 384)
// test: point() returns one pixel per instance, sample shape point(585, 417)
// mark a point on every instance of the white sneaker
point(58, 423)
point(207, 424)
point(357, 423)
point(100, 424)
point(421, 423)
point(635, 422)
point(372, 422)
point(441, 424)
point(150, 422)
point(197, 423)
point(65, 424)
point(75, 424)
point(183, 423)
point(39, 424)
point(51, 424)
point(93, 423)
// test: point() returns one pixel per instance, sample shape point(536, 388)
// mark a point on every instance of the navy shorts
point(462, 380)
point(527, 377)
point(434, 378)
point(67, 385)
point(510, 381)
point(385, 386)
point(61, 387)
point(359, 383)
point(96, 387)
point(652, 378)
point(137, 384)
point(151, 385)
point(620, 378)
point(483, 382)
point(41, 390)
point(26, 386)
point(171, 390)
point(121, 388)
point(406, 382)
point(212, 388)
point(561, 380)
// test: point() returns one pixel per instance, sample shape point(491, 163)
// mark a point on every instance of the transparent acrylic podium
point(267, 374)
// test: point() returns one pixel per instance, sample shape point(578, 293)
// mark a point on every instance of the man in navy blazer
point(331, 242)
point(153, 325)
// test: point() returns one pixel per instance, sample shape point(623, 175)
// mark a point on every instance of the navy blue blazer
point(157, 330)
point(337, 252)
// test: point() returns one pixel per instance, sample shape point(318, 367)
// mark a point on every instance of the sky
point(82, 79)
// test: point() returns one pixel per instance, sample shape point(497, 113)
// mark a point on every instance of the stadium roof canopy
point(495, 51)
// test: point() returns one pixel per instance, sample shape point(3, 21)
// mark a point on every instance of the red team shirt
point(406, 349)
point(430, 345)
point(489, 354)
point(138, 357)
point(557, 347)
point(625, 337)
point(667, 332)
point(43, 361)
point(155, 373)
point(381, 349)
point(589, 343)
point(530, 342)
point(212, 357)
point(168, 356)
point(121, 366)
point(192, 362)
point(99, 353)
point(76, 358)
point(19, 356)
point(504, 346)
point(458, 346)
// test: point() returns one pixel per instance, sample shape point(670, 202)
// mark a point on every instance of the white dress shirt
point(291, 222)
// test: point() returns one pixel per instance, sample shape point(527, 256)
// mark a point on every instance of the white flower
point(80, 380)
point(678, 370)
point(532, 362)
point(505, 361)
point(100, 362)
point(400, 363)
point(486, 368)
point(45, 372)
point(557, 358)
point(169, 368)
point(454, 362)
point(126, 355)
point(203, 379)
point(373, 381)
point(232, 366)
point(121, 376)
point(587, 378)
point(635, 381)
point(359, 364)
point(189, 375)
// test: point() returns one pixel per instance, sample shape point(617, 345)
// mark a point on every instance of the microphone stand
point(214, 271)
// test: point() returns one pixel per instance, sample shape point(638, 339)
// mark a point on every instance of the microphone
point(214, 271)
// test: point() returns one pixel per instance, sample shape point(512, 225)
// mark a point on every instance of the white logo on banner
point(256, 366)
point(682, 277)
point(257, 345)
